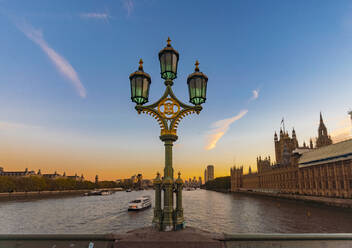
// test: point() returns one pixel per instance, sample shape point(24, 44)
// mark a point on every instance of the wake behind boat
point(140, 203)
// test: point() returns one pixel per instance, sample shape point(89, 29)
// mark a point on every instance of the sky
point(65, 94)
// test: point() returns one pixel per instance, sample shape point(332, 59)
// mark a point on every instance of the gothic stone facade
point(325, 170)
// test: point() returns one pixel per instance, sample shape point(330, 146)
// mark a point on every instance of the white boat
point(140, 203)
point(105, 192)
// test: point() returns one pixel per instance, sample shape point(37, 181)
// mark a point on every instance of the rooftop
point(331, 153)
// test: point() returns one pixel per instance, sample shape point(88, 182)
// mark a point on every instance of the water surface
point(213, 211)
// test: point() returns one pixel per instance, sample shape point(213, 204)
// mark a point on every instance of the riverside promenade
point(188, 238)
point(47, 194)
point(328, 201)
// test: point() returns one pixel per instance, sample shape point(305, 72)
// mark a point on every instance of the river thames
point(208, 210)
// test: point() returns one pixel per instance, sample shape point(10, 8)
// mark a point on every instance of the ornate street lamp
point(168, 111)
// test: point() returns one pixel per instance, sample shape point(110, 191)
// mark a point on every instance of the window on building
point(342, 184)
point(334, 185)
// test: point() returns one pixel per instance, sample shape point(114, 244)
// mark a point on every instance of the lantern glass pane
point(168, 62)
point(145, 88)
point(133, 87)
point(204, 89)
point(162, 63)
point(174, 63)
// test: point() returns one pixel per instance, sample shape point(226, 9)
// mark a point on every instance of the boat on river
point(140, 203)
point(99, 192)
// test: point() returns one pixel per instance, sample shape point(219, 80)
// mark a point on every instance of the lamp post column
point(168, 181)
point(178, 215)
point(157, 208)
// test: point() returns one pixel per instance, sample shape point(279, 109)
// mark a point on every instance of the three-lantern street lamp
point(168, 111)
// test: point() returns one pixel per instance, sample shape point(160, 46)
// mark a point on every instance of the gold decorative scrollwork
point(175, 123)
point(169, 108)
point(160, 121)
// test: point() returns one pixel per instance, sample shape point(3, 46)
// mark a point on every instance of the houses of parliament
point(321, 170)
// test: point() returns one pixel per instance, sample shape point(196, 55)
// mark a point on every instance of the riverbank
point(45, 194)
point(335, 202)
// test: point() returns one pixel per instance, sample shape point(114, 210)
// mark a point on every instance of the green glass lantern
point(168, 58)
point(197, 86)
point(140, 83)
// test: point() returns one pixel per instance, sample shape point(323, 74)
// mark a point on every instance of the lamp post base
point(167, 228)
point(180, 226)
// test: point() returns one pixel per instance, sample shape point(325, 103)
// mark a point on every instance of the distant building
point(200, 181)
point(75, 177)
point(52, 176)
point(322, 171)
point(24, 173)
point(209, 173)
point(205, 175)
point(96, 179)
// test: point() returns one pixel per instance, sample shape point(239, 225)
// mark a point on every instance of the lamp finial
point(168, 42)
point(140, 65)
point(196, 64)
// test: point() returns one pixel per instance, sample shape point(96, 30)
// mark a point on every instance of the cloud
point(4, 125)
point(129, 6)
point(220, 128)
point(61, 64)
point(99, 16)
point(343, 132)
point(255, 95)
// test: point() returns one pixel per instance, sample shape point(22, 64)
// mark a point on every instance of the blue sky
point(64, 88)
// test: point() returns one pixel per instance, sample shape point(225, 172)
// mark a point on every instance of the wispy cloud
point(129, 6)
point(94, 15)
point(220, 128)
point(255, 95)
point(5, 125)
point(61, 64)
point(343, 132)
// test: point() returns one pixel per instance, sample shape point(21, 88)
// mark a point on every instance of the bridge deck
point(190, 237)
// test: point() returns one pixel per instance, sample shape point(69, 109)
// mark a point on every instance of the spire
point(321, 118)
point(275, 136)
point(323, 137)
point(293, 133)
point(311, 143)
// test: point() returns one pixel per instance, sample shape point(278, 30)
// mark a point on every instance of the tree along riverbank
point(39, 194)
point(40, 183)
point(220, 184)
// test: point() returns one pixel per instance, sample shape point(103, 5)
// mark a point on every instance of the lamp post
point(168, 111)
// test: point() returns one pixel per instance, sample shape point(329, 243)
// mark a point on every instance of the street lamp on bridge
point(168, 111)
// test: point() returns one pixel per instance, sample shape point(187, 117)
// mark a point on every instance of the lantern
point(140, 83)
point(168, 58)
point(197, 86)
